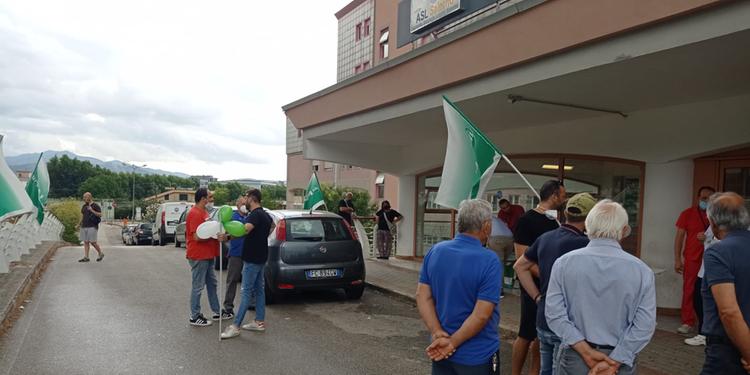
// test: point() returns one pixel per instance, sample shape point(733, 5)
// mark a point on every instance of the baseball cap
point(580, 204)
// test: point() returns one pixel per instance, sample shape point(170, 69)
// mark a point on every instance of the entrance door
point(735, 176)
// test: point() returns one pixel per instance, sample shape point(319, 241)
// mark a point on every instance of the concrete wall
point(668, 191)
point(406, 188)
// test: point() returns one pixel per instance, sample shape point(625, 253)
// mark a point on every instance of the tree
point(66, 175)
point(274, 196)
point(360, 199)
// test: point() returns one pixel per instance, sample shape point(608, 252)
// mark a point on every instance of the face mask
point(209, 206)
point(552, 214)
point(703, 205)
point(243, 210)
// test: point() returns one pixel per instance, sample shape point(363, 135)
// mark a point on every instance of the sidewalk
point(666, 354)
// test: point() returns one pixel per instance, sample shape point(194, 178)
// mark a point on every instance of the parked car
point(127, 232)
point(141, 234)
point(167, 217)
point(309, 251)
point(179, 230)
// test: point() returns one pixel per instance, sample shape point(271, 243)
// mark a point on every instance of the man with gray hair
point(726, 287)
point(458, 294)
point(601, 301)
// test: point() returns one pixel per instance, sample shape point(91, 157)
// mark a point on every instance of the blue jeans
point(549, 346)
point(252, 283)
point(571, 363)
point(203, 275)
point(722, 359)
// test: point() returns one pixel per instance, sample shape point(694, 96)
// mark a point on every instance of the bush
point(69, 214)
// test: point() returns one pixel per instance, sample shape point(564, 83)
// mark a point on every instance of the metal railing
point(370, 225)
point(18, 236)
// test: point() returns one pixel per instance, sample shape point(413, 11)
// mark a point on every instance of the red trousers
point(689, 275)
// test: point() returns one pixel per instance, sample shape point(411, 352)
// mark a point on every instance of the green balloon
point(225, 214)
point(235, 228)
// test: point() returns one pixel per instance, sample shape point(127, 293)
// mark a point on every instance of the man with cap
point(543, 253)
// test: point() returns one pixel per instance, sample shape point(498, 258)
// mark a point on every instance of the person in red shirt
point(509, 213)
point(688, 253)
point(200, 254)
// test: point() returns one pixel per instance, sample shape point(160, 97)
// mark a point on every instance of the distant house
point(23, 176)
point(173, 195)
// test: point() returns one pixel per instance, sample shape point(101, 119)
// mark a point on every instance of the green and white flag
point(38, 187)
point(13, 200)
point(470, 160)
point(313, 195)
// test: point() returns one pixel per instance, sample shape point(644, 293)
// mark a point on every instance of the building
point(204, 180)
point(23, 176)
point(639, 101)
point(173, 195)
point(362, 44)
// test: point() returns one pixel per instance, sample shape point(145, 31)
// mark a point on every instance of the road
point(129, 315)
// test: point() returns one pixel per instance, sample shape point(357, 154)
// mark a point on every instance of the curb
point(28, 283)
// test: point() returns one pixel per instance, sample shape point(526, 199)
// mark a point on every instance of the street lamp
point(134, 168)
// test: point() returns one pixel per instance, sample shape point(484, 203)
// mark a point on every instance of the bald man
point(91, 215)
point(726, 287)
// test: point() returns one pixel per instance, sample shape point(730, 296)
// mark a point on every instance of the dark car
point(142, 234)
point(312, 251)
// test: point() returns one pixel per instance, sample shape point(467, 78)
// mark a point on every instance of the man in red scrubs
point(688, 253)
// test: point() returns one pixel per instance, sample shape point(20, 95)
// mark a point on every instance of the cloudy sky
point(187, 86)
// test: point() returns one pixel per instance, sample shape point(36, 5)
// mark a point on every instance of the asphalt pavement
point(129, 315)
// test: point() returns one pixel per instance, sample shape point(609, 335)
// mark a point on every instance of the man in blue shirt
point(234, 266)
point(543, 254)
point(458, 294)
point(601, 301)
point(726, 287)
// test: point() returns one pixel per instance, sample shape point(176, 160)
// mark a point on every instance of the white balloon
point(209, 229)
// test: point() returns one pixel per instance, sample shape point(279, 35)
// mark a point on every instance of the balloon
point(225, 214)
point(235, 228)
point(208, 229)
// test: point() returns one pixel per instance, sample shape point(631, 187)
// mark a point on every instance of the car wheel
point(355, 292)
point(176, 243)
point(271, 297)
point(162, 242)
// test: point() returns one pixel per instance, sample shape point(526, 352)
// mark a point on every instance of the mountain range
point(26, 162)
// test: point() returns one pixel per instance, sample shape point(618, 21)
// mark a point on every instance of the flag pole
point(219, 297)
point(522, 177)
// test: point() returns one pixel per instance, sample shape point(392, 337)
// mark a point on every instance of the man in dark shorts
point(534, 223)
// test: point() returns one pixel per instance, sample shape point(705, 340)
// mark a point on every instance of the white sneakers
point(255, 326)
point(685, 329)
point(698, 340)
point(233, 331)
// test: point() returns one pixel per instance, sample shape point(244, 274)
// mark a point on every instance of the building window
point(166, 197)
point(380, 186)
point(183, 197)
point(358, 32)
point(384, 43)
point(365, 65)
point(366, 27)
point(315, 168)
point(358, 69)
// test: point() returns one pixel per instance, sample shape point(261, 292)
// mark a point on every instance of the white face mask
point(552, 214)
point(243, 210)
point(209, 206)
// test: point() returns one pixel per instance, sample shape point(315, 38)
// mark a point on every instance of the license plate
point(329, 273)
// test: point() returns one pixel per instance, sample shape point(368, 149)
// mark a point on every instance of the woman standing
point(387, 219)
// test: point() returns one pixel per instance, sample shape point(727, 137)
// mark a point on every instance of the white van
point(167, 218)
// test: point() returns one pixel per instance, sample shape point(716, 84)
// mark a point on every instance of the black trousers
point(698, 302)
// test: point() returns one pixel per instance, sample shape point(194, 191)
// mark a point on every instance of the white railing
point(19, 236)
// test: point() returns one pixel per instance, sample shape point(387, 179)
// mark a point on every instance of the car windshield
point(145, 226)
point(328, 229)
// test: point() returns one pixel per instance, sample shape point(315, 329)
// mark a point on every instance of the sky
point(185, 86)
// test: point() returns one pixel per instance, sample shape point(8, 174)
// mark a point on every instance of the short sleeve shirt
point(346, 215)
point(726, 262)
point(236, 244)
point(531, 225)
point(390, 215)
point(694, 221)
point(198, 250)
point(89, 220)
point(255, 248)
point(545, 251)
point(461, 272)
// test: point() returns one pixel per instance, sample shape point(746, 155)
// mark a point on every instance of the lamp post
point(134, 168)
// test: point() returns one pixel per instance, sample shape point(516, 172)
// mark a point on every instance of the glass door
point(735, 176)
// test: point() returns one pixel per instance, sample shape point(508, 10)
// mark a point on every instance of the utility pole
point(132, 218)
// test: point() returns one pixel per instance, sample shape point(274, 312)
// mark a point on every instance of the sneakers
point(684, 329)
point(231, 331)
point(84, 260)
point(101, 256)
point(698, 340)
point(255, 326)
point(200, 321)
point(225, 315)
